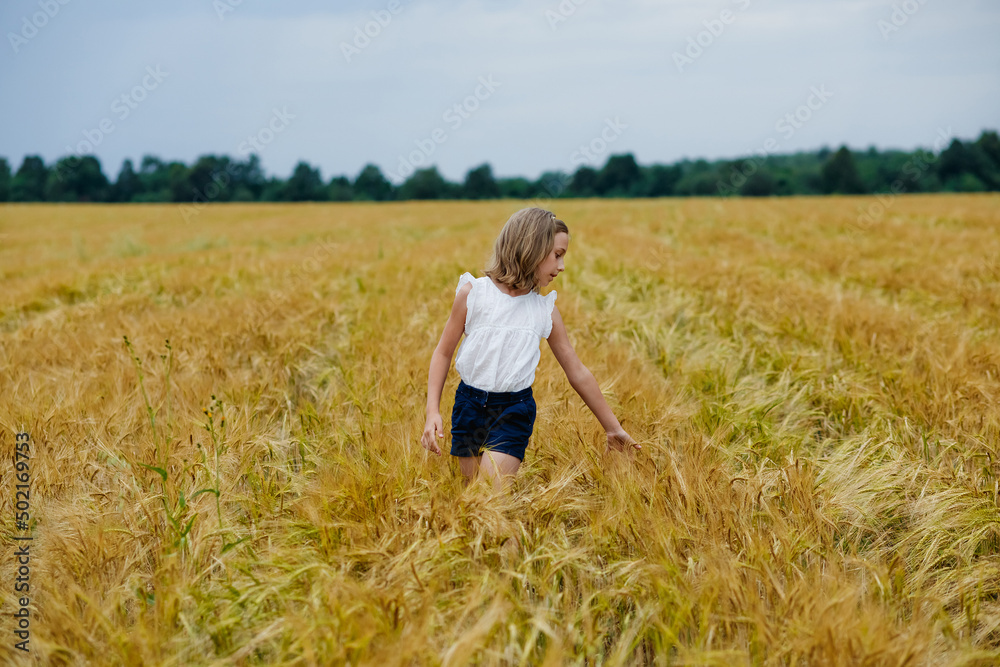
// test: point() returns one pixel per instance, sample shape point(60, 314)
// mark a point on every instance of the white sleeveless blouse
point(503, 334)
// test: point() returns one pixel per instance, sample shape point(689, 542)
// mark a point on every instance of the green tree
point(211, 179)
point(840, 174)
point(700, 179)
point(77, 179)
point(660, 180)
point(552, 184)
point(154, 180)
point(761, 183)
point(953, 162)
point(585, 182)
point(516, 188)
point(425, 184)
point(305, 184)
point(989, 143)
point(371, 185)
point(4, 179)
point(967, 183)
point(968, 167)
point(984, 166)
point(179, 182)
point(28, 183)
point(127, 185)
point(480, 184)
point(248, 179)
point(274, 190)
point(620, 176)
point(340, 189)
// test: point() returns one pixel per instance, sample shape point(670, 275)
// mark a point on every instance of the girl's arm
point(582, 380)
point(440, 364)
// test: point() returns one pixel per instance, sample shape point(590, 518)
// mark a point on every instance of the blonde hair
point(524, 242)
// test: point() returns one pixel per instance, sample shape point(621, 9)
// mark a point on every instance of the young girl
point(504, 318)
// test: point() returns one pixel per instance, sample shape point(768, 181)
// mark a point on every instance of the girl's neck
point(506, 289)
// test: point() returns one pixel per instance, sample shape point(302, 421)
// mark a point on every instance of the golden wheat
point(242, 481)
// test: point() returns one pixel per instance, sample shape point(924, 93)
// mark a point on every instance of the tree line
point(969, 166)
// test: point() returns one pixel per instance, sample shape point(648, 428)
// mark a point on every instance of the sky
point(527, 86)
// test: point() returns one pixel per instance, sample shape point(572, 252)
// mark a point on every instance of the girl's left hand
point(434, 425)
point(620, 441)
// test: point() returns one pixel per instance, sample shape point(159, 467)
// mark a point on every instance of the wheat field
point(225, 417)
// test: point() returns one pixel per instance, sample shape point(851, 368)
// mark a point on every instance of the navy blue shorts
point(495, 421)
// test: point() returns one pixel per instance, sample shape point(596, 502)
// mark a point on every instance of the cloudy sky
point(527, 86)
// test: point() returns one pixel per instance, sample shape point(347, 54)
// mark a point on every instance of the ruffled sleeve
point(469, 300)
point(549, 302)
point(464, 278)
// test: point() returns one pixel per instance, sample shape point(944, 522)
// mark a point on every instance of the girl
point(504, 318)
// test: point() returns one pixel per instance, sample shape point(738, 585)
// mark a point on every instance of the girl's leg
point(469, 466)
point(499, 468)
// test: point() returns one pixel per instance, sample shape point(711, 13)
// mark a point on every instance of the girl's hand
point(434, 425)
point(620, 441)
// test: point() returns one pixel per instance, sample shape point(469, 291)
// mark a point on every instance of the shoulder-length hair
point(525, 240)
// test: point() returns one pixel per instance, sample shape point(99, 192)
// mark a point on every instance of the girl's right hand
point(621, 441)
point(434, 425)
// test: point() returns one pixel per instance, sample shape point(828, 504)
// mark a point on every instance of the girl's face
point(553, 265)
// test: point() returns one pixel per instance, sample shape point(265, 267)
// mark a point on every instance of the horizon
point(942, 133)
